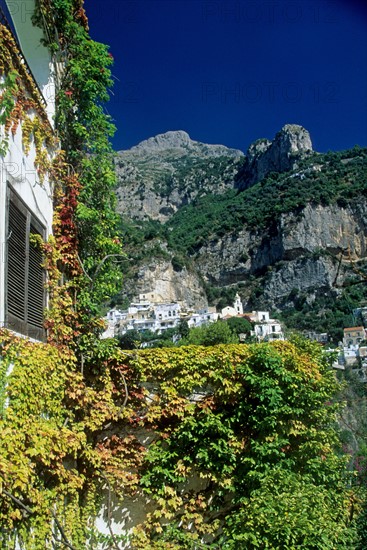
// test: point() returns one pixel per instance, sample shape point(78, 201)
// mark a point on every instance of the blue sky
point(233, 71)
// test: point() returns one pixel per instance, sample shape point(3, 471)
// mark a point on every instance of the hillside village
point(147, 313)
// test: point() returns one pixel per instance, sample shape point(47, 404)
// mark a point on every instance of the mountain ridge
point(179, 139)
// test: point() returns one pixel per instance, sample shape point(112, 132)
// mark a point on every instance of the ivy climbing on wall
point(48, 463)
point(21, 103)
point(215, 446)
point(85, 218)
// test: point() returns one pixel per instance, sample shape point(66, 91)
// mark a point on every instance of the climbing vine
point(203, 439)
point(50, 465)
point(85, 220)
point(22, 104)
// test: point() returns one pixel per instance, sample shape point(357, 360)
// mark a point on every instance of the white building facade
point(265, 328)
point(232, 311)
point(26, 194)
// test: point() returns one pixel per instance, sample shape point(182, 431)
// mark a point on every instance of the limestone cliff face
point(168, 284)
point(300, 252)
point(163, 173)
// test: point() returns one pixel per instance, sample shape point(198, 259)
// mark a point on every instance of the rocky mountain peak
point(161, 142)
point(176, 144)
point(290, 144)
point(293, 140)
point(161, 174)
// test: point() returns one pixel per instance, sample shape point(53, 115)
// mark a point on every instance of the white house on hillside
point(353, 336)
point(113, 317)
point(202, 317)
point(25, 198)
point(266, 329)
point(351, 350)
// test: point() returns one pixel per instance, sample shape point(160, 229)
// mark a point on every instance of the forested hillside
point(323, 179)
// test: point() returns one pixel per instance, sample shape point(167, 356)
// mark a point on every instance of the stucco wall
point(18, 170)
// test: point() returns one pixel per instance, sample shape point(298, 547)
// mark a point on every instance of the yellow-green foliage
point(47, 459)
point(21, 104)
point(234, 417)
point(37, 448)
point(230, 426)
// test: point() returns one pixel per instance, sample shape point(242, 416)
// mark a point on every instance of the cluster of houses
point(353, 348)
point(148, 313)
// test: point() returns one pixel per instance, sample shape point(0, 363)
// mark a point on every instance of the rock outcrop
point(168, 284)
point(300, 252)
point(291, 144)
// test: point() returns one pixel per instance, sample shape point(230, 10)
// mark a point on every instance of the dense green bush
point(239, 325)
point(210, 335)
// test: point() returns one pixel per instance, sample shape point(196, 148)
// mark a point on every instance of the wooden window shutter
point(36, 286)
point(16, 279)
point(25, 293)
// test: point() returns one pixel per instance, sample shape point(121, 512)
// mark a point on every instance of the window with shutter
point(25, 293)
